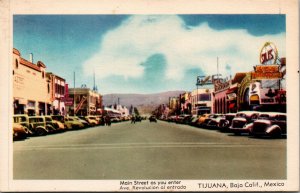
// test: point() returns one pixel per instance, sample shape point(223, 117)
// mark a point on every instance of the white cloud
point(126, 47)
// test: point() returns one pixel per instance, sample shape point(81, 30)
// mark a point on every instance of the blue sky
point(145, 53)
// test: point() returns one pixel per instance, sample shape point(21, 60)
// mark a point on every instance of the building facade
point(201, 100)
point(57, 93)
point(31, 88)
point(86, 102)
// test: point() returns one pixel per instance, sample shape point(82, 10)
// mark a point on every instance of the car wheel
point(40, 132)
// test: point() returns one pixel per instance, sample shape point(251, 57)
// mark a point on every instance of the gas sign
point(268, 54)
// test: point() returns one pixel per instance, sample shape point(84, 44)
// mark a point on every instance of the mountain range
point(145, 103)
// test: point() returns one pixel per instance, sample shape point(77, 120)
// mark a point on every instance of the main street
point(147, 150)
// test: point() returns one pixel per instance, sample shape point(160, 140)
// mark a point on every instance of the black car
point(152, 119)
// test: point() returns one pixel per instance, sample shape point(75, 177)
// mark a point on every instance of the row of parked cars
point(24, 125)
point(272, 124)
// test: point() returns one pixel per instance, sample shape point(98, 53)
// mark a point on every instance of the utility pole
point(218, 68)
point(74, 95)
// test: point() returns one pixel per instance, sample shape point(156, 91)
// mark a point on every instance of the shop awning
point(231, 105)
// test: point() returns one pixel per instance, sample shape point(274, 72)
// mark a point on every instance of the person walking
point(133, 119)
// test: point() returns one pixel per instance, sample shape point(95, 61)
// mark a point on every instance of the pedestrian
point(107, 121)
point(133, 119)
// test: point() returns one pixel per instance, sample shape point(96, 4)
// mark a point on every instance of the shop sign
point(67, 101)
point(266, 72)
point(266, 68)
point(268, 54)
point(265, 75)
point(221, 85)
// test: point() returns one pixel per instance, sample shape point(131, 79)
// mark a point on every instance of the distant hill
point(145, 103)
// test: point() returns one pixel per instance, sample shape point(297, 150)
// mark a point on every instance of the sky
point(146, 53)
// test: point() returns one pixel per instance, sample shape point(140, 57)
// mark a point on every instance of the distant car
point(138, 119)
point(85, 123)
point(269, 124)
point(152, 119)
point(19, 131)
point(92, 120)
point(72, 123)
point(242, 122)
point(184, 119)
point(171, 118)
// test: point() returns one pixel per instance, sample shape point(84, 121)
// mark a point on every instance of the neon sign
point(268, 54)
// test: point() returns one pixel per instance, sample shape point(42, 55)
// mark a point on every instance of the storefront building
point(220, 101)
point(201, 99)
point(174, 105)
point(232, 92)
point(57, 93)
point(31, 88)
point(87, 102)
point(185, 103)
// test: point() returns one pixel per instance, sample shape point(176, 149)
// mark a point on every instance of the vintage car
point(37, 124)
point(19, 131)
point(214, 122)
point(92, 120)
point(184, 119)
point(85, 123)
point(205, 123)
point(269, 124)
point(72, 123)
point(242, 122)
point(172, 118)
point(226, 121)
point(23, 120)
point(202, 119)
point(59, 120)
point(51, 125)
point(152, 119)
point(194, 120)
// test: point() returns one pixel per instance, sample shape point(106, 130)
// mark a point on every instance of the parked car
point(152, 119)
point(242, 122)
point(23, 120)
point(269, 124)
point(60, 121)
point(37, 124)
point(84, 122)
point(226, 121)
point(184, 119)
point(214, 122)
point(19, 131)
point(92, 120)
point(72, 123)
point(205, 123)
point(171, 118)
point(194, 120)
point(51, 125)
point(202, 119)
point(138, 118)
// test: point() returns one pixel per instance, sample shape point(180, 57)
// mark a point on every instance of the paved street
point(149, 151)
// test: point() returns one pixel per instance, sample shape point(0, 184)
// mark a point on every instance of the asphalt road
point(148, 151)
